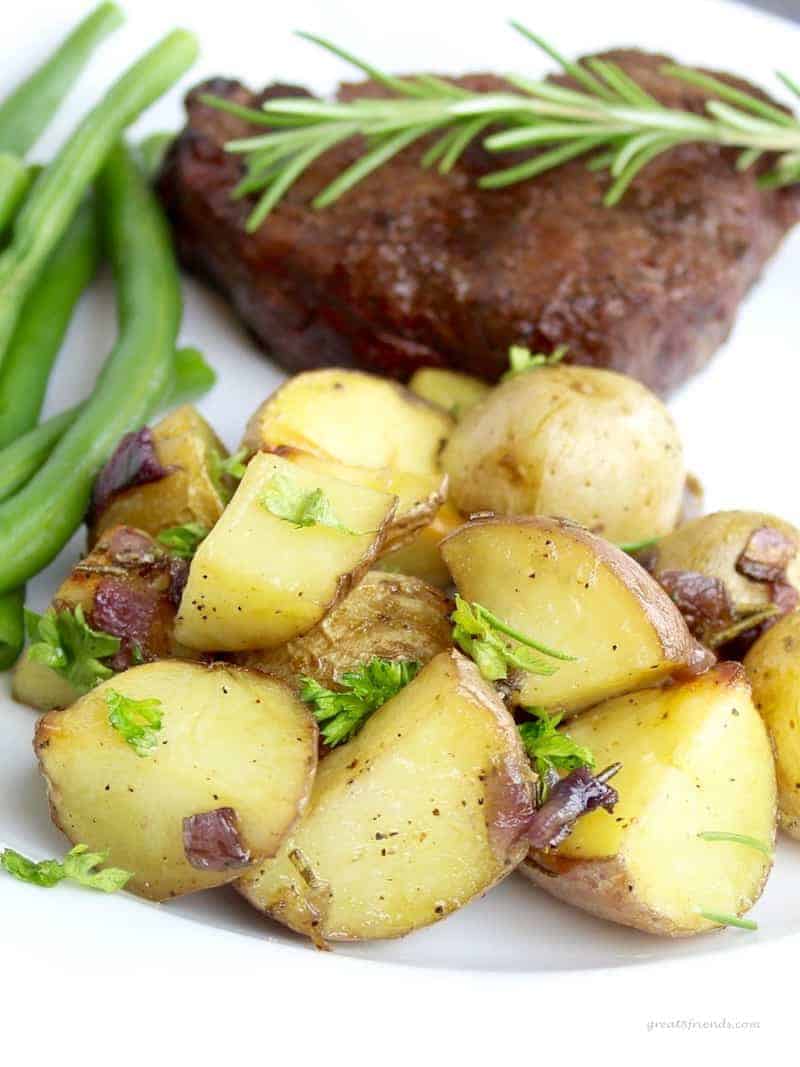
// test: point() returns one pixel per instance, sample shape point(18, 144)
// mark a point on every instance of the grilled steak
point(412, 267)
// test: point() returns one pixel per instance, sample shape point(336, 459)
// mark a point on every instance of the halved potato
point(419, 496)
point(357, 418)
point(228, 777)
point(388, 616)
point(422, 556)
point(190, 492)
point(448, 389)
point(587, 444)
point(695, 759)
point(418, 814)
point(128, 587)
point(258, 580)
point(572, 591)
point(773, 667)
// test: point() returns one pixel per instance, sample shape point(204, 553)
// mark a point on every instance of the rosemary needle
point(608, 117)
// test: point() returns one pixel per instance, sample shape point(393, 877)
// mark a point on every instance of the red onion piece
point(577, 794)
point(178, 577)
point(509, 808)
point(211, 841)
point(766, 555)
point(133, 462)
point(126, 611)
point(703, 601)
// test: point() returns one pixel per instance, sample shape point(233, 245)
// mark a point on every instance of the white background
point(93, 980)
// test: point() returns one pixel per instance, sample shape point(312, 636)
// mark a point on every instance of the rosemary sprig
point(608, 116)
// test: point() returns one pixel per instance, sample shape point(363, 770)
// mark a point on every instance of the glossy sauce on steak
point(414, 268)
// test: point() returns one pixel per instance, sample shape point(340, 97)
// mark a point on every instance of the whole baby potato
point(577, 442)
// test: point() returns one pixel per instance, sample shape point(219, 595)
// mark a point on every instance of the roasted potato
point(586, 444)
point(773, 667)
point(419, 496)
point(726, 570)
point(127, 587)
point(259, 580)
point(422, 557)
point(695, 759)
point(229, 774)
point(387, 616)
point(563, 586)
point(357, 418)
point(191, 492)
point(410, 820)
point(448, 389)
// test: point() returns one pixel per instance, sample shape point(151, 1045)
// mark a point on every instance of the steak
point(413, 268)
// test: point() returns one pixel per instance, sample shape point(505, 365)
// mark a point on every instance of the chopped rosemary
point(739, 839)
point(608, 116)
point(728, 920)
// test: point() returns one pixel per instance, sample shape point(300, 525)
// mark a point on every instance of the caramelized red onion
point(766, 555)
point(702, 600)
point(133, 462)
point(509, 808)
point(211, 841)
point(573, 796)
point(127, 612)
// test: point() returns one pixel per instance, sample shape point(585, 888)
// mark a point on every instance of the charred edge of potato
point(47, 729)
point(386, 616)
point(661, 612)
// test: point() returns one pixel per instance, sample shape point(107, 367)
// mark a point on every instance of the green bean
point(151, 151)
point(26, 112)
point(43, 323)
point(38, 520)
point(22, 459)
point(12, 627)
point(60, 187)
point(15, 180)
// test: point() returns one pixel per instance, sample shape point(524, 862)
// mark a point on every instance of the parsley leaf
point(79, 865)
point(183, 541)
point(223, 470)
point(64, 641)
point(478, 632)
point(521, 359)
point(138, 721)
point(550, 750)
point(342, 713)
point(285, 499)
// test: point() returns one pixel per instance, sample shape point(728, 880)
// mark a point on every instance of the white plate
point(737, 419)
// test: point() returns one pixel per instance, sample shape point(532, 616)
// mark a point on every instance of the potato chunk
point(419, 496)
point(387, 616)
point(128, 587)
point(235, 747)
point(773, 667)
point(695, 759)
point(410, 820)
point(574, 592)
point(357, 418)
point(186, 445)
point(259, 580)
point(449, 389)
point(422, 556)
point(587, 444)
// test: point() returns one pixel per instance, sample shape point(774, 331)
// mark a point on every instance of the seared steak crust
point(412, 267)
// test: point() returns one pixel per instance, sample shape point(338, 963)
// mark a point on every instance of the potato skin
point(684, 752)
point(422, 556)
point(188, 493)
point(586, 444)
point(773, 667)
point(386, 615)
point(230, 738)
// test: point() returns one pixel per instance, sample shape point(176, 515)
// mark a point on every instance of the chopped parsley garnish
point(285, 499)
point(637, 546)
point(365, 689)
point(223, 470)
point(79, 865)
point(137, 721)
point(737, 839)
point(183, 540)
point(521, 359)
point(479, 632)
point(550, 750)
point(64, 641)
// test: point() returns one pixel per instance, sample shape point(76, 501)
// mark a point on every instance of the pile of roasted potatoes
point(409, 640)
